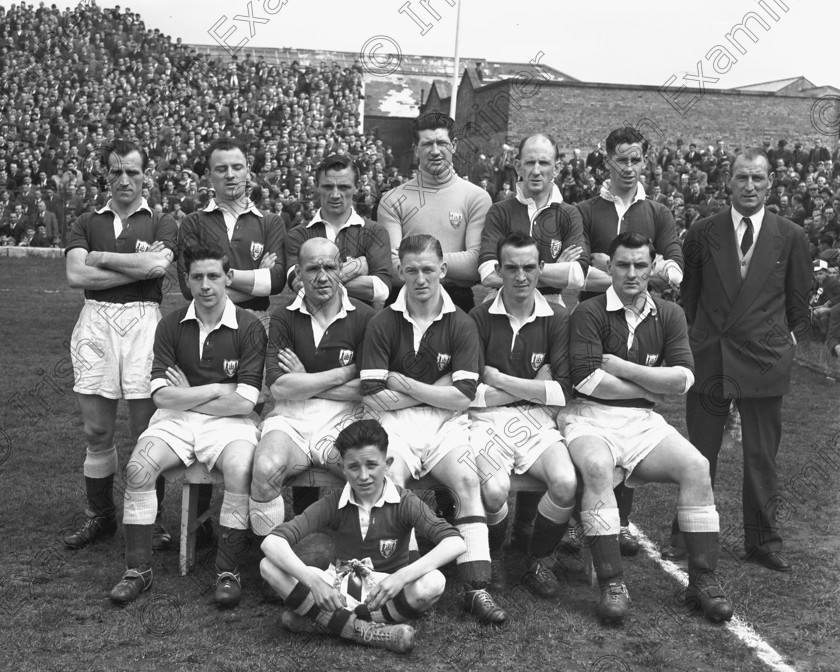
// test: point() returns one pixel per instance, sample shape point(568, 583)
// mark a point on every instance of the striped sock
point(474, 563)
point(396, 610)
point(339, 622)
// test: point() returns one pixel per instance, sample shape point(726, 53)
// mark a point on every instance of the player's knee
point(269, 474)
point(237, 472)
point(99, 435)
point(596, 471)
point(465, 482)
point(268, 570)
point(430, 587)
point(562, 485)
point(696, 471)
point(494, 493)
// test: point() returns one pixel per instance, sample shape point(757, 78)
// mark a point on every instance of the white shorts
point(630, 433)
point(514, 437)
point(313, 424)
point(423, 435)
point(112, 349)
point(196, 437)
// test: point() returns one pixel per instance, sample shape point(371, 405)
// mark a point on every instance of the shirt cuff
point(689, 378)
point(671, 272)
point(480, 401)
point(587, 385)
point(380, 289)
point(486, 269)
point(262, 282)
point(291, 270)
point(158, 383)
point(554, 394)
point(576, 277)
point(248, 392)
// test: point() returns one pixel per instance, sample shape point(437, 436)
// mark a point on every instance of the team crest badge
point(650, 360)
point(455, 219)
point(555, 247)
point(537, 359)
point(256, 250)
point(442, 361)
point(345, 357)
point(387, 547)
point(141, 246)
point(230, 367)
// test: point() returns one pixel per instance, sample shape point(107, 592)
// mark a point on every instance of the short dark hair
point(123, 148)
point(224, 145)
point(516, 239)
point(626, 135)
point(360, 434)
point(547, 136)
point(752, 153)
point(431, 121)
point(202, 253)
point(337, 162)
point(632, 240)
point(419, 243)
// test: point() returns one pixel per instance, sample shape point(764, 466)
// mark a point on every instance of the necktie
point(747, 240)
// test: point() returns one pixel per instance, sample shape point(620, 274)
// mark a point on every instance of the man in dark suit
point(745, 289)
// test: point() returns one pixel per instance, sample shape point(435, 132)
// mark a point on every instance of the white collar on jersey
point(300, 304)
point(212, 206)
point(390, 495)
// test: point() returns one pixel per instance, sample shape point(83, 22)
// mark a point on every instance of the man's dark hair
point(625, 135)
point(431, 121)
point(360, 434)
point(200, 253)
point(337, 162)
point(224, 145)
point(548, 137)
point(826, 239)
point(419, 243)
point(123, 148)
point(632, 240)
point(516, 239)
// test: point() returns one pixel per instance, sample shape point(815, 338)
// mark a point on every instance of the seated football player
point(419, 374)
point(311, 367)
point(525, 355)
point(628, 349)
point(371, 590)
point(206, 377)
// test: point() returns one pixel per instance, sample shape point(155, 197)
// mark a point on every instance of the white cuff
point(291, 270)
point(380, 289)
point(486, 269)
point(158, 383)
point(248, 392)
point(373, 374)
point(576, 276)
point(554, 393)
point(262, 282)
point(689, 378)
point(480, 401)
point(587, 385)
point(671, 272)
point(464, 375)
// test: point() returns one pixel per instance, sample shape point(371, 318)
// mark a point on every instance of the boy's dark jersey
point(386, 542)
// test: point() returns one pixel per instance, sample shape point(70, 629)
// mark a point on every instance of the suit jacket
point(740, 330)
point(50, 221)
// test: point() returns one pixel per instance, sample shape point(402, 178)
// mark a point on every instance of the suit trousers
point(761, 430)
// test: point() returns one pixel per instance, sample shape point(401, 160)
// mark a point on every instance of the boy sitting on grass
point(371, 590)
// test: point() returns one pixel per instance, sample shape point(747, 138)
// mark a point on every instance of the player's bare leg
point(236, 464)
point(554, 468)
point(303, 615)
point(600, 520)
point(151, 457)
point(140, 412)
point(675, 460)
point(457, 471)
point(495, 487)
point(99, 415)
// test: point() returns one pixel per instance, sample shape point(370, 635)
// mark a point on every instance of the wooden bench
point(197, 474)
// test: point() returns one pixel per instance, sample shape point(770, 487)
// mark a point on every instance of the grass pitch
point(55, 613)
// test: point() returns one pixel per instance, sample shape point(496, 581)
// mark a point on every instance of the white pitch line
point(742, 630)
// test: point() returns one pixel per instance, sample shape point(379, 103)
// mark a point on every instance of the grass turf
point(55, 614)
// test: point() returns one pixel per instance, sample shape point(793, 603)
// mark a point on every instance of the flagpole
point(456, 69)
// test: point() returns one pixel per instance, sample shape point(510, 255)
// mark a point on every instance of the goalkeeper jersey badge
point(387, 547)
point(442, 361)
point(455, 219)
point(537, 360)
point(230, 367)
point(141, 246)
point(345, 357)
point(555, 247)
point(256, 250)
